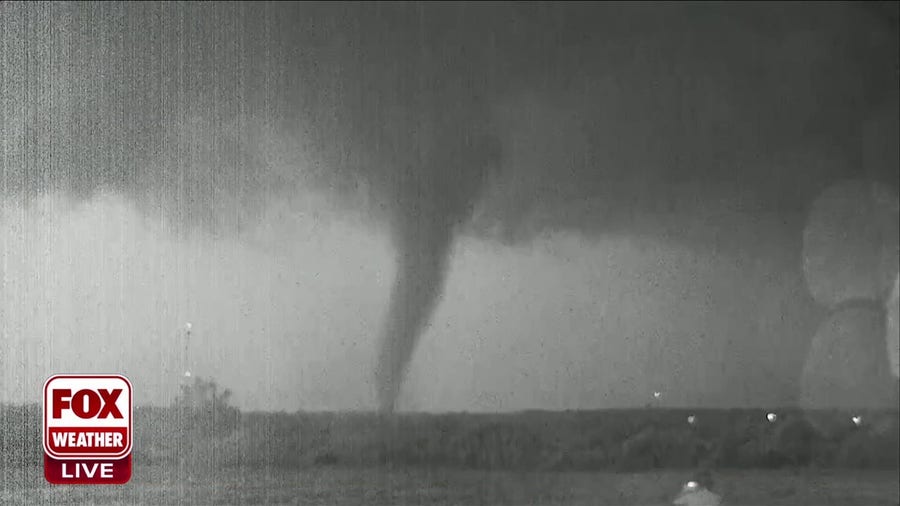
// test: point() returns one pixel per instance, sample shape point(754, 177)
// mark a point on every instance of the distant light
point(696, 494)
point(771, 417)
point(187, 374)
point(188, 326)
point(656, 395)
point(692, 419)
point(857, 420)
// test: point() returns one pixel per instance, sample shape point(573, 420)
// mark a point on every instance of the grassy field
point(336, 486)
point(619, 457)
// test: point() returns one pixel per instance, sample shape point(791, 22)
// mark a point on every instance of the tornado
point(423, 246)
point(432, 201)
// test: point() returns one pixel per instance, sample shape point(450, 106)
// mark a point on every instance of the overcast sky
point(625, 188)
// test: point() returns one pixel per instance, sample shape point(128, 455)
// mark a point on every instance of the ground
point(330, 486)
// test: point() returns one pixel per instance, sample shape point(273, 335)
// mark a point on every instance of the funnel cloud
point(433, 203)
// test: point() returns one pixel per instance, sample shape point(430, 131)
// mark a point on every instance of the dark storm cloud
point(666, 94)
point(713, 125)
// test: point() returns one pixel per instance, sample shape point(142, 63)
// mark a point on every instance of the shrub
point(205, 411)
point(866, 449)
point(794, 441)
point(205, 427)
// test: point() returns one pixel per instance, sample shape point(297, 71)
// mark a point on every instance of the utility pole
point(190, 401)
point(187, 349)
point(186, 354)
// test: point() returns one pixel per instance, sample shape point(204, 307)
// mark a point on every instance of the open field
point(624, 457)
point(161, 485)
